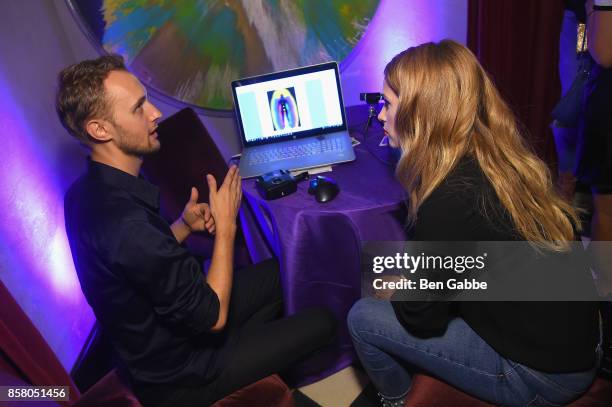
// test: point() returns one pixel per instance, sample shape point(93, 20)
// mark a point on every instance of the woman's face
point(387, 114)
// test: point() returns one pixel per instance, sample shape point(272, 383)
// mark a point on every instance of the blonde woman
point(470, 177)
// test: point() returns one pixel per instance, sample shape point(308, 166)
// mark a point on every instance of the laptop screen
point(290, 104)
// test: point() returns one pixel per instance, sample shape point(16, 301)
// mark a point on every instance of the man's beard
point(130, 146)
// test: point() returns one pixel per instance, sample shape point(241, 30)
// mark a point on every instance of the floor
point(337, 390)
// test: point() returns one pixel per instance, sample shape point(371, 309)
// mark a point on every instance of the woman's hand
point(387, 293)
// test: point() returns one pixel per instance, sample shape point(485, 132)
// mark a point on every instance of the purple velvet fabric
point(319, 245)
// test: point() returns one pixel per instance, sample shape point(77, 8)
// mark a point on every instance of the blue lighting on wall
point(38, 267)
point(397, 25)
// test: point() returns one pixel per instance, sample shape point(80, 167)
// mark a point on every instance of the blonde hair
point(449, 108)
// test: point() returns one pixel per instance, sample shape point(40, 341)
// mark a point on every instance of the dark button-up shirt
point(146, 290)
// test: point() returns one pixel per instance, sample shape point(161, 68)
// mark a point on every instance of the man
point(184, 338)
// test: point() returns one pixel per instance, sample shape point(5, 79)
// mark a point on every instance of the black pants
point(265, 344)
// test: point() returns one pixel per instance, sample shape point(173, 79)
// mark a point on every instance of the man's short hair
point(81, 95)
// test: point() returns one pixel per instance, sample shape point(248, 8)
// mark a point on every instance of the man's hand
point(225, 201)
point(224, 205)
point(197, 216)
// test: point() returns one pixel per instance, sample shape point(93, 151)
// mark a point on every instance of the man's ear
point(99, 130)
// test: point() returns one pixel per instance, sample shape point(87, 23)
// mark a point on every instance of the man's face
point(134, 118)
point(387, 114)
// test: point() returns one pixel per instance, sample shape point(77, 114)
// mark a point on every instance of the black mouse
point(323, 188)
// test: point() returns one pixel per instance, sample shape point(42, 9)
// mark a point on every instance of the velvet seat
point(27, 359)
point(427, 391)
point(111, 390)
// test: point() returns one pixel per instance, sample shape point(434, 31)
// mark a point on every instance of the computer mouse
point(323, 188)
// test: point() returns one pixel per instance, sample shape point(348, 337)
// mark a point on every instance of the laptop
point(291, 120)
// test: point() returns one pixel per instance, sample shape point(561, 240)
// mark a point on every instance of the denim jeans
point(460, 357)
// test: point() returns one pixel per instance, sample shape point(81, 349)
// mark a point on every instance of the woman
point(470, 177)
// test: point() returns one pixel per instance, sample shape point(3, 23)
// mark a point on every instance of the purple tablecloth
point(319, 245)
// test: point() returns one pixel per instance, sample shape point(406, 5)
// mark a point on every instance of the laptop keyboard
point(294, 151)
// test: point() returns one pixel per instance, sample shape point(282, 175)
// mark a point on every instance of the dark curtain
point(517, 42)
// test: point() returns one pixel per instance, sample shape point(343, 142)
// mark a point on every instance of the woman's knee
point(361, 315)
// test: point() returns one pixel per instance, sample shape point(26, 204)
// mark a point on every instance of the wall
point(397, 25)
point(39, 160)
point(37, 163)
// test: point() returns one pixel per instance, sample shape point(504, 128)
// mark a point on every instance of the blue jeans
point(460, 357)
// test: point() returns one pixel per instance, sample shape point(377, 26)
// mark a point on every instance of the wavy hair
point(449, 108)
point(81, 94)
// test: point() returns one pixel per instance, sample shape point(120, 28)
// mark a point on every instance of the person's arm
point(599, 32)
point(196, 217)
point(224, 206)
point(180, 230)
point(166, 274)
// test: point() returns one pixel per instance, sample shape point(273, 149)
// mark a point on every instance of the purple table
point(319, 245)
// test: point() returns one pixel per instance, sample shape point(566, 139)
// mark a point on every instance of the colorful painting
point(192, 49)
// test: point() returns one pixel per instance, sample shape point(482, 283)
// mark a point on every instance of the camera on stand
point(372, 99)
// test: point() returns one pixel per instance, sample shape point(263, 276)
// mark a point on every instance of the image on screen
point(284, 109)
point(288, 106)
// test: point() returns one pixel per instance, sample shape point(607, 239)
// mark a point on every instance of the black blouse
point(547, 336)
